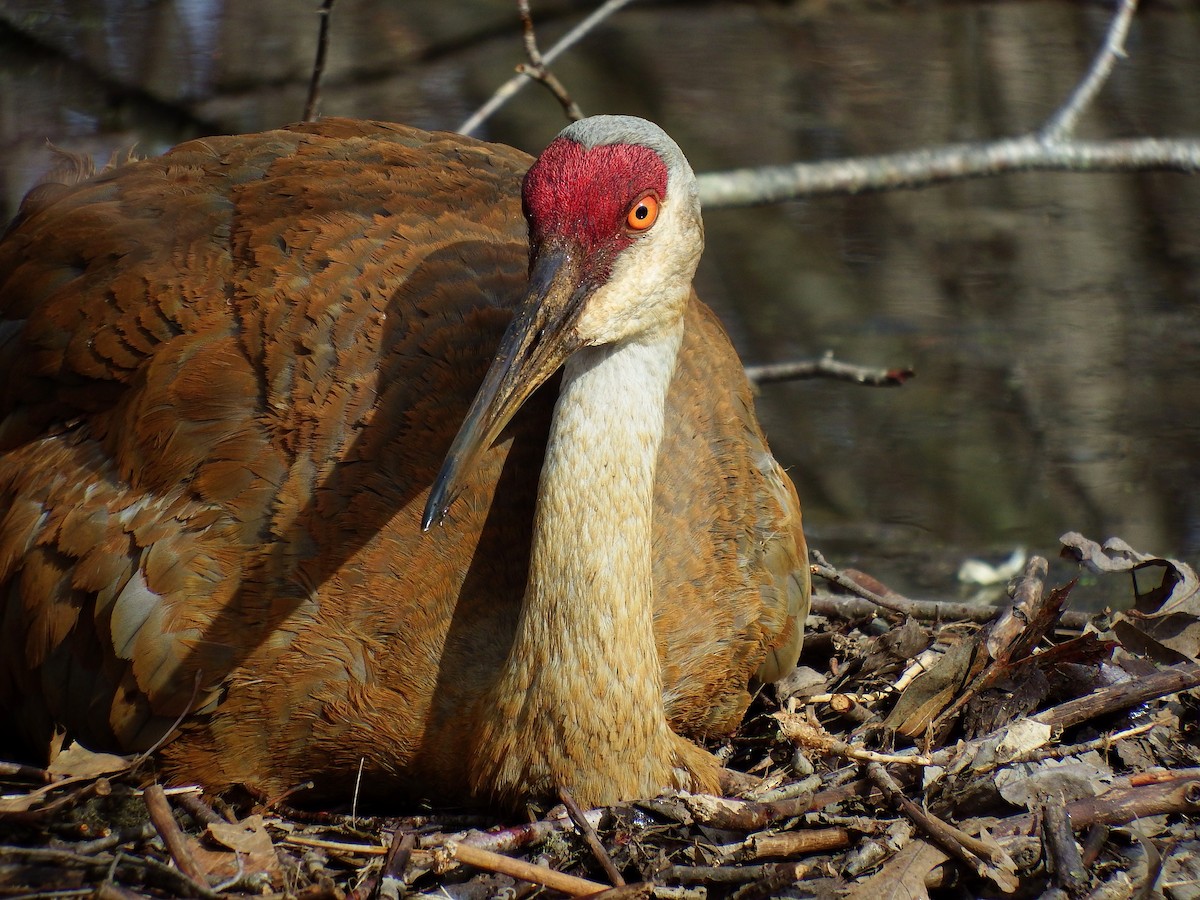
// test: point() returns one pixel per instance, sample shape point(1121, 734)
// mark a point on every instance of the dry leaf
point(78, 761)
point(1165, 621)
point(903, 876)
point(250, 842)
point(1064, 780)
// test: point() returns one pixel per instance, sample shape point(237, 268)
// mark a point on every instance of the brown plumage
point(228, 378)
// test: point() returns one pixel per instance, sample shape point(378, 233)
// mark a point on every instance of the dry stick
point(168, 829)
point(921, 610)
point(788, 844)
point(518, 868)
point(590, 837)
point(537, 68)
point(200, 811)
point(1133, 797)
point(793, 871)
point(638, 891)
point(965, 848)
point(1066, 862)
point(1121, 696)
point(828, 367)
point(1047, 150)
point(509, 89)
point(139, 870)
point(1063, 122)
point(318, 69)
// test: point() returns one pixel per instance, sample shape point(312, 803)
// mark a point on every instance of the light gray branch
point(510, 88)
point(922, 168)
point(1062, 123)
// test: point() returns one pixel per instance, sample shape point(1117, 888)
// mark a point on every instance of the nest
point(920, 750)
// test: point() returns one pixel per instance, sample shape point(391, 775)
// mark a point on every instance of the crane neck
point(579, 701)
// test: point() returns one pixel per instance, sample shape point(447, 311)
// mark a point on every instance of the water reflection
point(1051, 318)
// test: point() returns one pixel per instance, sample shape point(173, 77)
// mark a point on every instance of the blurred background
point(1052, 318)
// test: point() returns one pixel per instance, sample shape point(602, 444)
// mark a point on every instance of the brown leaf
point(903, 876)
point(250, 841)
point(81, 762)
point(934, 691)
point(1177, 590)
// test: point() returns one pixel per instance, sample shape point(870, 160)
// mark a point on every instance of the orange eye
point(643, 213)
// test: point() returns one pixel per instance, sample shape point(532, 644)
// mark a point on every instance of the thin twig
point(964, 847)
point(518, 868)
point(1063, 122)
point(590, 837)
point(828, 367)
point(168, 829)
point(537, 69)
point(510, 88)
point(318, 70)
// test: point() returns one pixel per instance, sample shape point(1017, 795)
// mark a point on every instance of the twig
point(793, 871)
point(199, 810)
point(788, 844)
point(510, 88)
point(896, 604)
point(1121, 696)
point(812, 737)
point(537, 69)
point(1104, 742)
point(956, 842)
point(926, 610)
point(140, 870)
point(828, 367)
point(1063, 122)
point(590, 837)
point(168, 829)
point(518, 868)
point(1132, 797)
point(318, 69)
point(1066, 862)
point(921, 610)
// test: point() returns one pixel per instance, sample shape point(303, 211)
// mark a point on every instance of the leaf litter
point(911, 754)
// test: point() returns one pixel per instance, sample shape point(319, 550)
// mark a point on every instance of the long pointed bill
point(537, 342)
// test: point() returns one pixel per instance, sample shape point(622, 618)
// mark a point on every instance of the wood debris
point(1013, 757)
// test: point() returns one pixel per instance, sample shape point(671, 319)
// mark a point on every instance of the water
point(1052, 319)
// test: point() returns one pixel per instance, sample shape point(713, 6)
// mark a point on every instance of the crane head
point(614, 239)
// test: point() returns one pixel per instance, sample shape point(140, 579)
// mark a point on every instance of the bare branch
point(923, 168)
point(507, 90)
point(318, 70)
point(537, 68)
point(828, 367)
point(1049, 150)
point(1062, 124)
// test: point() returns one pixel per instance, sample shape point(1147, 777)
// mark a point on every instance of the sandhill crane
point(228, 377)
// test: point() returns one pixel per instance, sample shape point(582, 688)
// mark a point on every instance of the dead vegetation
point(905, 757)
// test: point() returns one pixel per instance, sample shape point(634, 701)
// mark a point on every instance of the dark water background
point(1052, 318)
